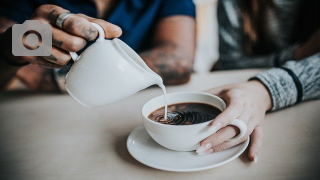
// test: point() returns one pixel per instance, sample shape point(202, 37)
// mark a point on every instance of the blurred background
point(207, 39)
point(207, 35)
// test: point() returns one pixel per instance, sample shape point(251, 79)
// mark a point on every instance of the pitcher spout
point(137, 62)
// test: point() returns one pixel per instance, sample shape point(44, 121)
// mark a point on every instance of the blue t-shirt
point(137, 18)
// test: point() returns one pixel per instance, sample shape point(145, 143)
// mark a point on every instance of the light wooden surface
point(50, 136)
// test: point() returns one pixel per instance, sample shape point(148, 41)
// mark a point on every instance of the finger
point(255, 144)
point(48, 14)
point(74, 24)
point(67, 41)
point(44, 63)
point(81, 27)
point(228, 144)
point(209, 151)
point(110, 30)
point(58, 56)
point(235, 103)
point(221, 136)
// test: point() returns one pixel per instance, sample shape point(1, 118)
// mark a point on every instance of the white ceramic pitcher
point(106, 72)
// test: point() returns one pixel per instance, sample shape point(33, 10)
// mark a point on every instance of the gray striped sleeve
point(281, 85)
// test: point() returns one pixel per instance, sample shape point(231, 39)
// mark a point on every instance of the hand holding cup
point(247, 101)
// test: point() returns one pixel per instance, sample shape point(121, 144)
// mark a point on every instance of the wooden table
point(51, 136)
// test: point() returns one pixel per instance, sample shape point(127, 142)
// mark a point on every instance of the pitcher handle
point(75, 56)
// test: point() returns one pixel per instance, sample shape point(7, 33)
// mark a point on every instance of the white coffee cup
point(184, 137)
point(106, 72)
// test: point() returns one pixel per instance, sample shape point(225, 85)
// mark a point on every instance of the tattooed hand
point(77, 30)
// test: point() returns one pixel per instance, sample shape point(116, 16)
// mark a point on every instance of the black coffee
point(185, 114)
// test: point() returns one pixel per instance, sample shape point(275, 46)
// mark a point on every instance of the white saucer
point(144, 149)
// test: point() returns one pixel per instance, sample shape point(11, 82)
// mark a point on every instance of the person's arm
point(270, 90)
point(231, 43)
point(172, 56)
point(296, 81)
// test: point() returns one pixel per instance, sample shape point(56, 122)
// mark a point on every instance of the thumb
point(214, 91)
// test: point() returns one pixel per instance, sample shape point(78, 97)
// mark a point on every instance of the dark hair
point(256, 40)
point(308, 19)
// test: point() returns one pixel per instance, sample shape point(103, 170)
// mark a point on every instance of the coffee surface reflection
point(185, 114)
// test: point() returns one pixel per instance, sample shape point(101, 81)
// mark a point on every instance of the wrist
point(263, 92)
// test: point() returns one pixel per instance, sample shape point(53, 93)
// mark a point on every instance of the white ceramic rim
point(183, 92)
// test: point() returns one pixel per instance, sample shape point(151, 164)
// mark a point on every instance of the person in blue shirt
point(161, 31)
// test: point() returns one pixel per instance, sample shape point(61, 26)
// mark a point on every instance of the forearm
point(282, 87)
point(170, 62)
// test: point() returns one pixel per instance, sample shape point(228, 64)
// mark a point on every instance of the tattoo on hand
point(51, 16)
point(51, 57)
point(89, 33)
point(56, 42)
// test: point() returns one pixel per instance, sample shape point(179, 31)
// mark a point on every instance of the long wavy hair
point(256, 40)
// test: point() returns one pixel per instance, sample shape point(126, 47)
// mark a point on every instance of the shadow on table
point(244, 157)
point(120, 146)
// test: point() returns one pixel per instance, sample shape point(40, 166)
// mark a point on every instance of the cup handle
point(75, 56)
point(242, 127)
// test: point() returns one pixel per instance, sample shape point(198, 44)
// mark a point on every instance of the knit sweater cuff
point(281, 87)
